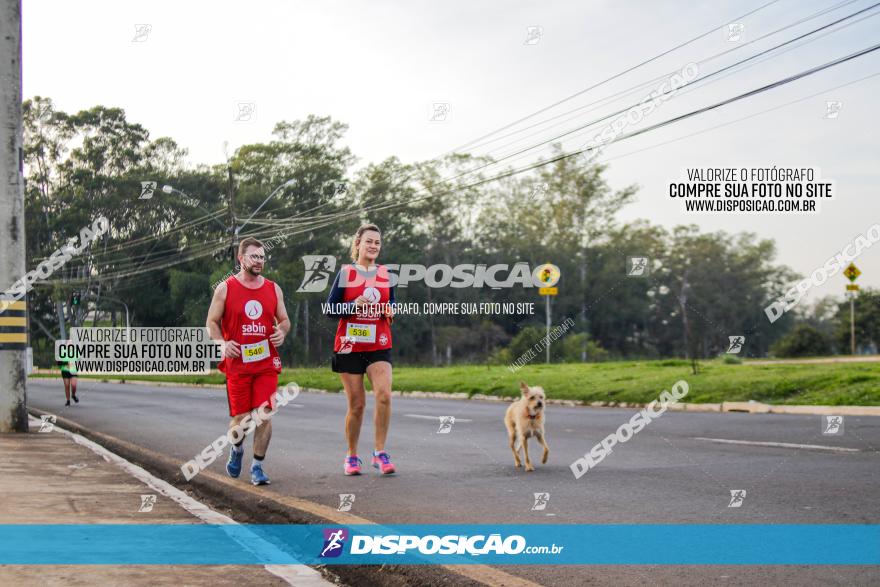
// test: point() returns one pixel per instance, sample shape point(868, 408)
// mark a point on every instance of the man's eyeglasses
point(257, 257)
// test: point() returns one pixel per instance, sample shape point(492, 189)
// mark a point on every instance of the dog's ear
point(524, 388)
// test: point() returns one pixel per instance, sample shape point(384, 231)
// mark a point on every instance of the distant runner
point(248, 315)
point(68, 375)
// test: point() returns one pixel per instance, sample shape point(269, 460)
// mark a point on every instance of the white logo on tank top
point(372, 294)
point(253, 309)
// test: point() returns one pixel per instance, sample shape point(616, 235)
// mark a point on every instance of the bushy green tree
point(867, 320)
point(803, 341)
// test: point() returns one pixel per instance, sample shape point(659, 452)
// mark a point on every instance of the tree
point(165, 251)
point(867, 320)
point(310, 216)
point(726, 279)
point(803, 341)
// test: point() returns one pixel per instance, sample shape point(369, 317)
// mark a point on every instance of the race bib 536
point(361, 332)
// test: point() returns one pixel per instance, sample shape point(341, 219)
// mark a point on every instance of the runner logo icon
point(334, 541)
point(541, 500)
point(737, 496)
point(147, 503)
point(736, 344)
point(319, 268)
point(346, 345)
point(832, 425)
point(446, 423)
point(346, 500)
point(47, 422)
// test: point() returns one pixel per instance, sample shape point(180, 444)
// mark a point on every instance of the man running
point(245, 309)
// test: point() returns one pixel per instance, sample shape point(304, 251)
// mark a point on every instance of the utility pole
point(682, 301)
point(852, 322)
point(547, 328)
point(852, 273)
point(13, 338)
point(230, 194)
point(548, 276)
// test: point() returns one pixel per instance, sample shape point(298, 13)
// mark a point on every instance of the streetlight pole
point(287, 183)
point(127, 322)
point(168, 189)
point(233, 231)
point(118, 301)
point(852, 322)
point(547, 337)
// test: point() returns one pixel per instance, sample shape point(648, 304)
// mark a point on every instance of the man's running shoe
point(382, 461)
point(75, 399)
point(352, 465)
point(233, 465)
point(258, 477)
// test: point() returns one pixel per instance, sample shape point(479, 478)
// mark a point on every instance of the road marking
point(438, 418)
point(779, 444)
point(297, 575)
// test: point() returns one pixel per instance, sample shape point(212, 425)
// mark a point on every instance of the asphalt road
point(668, 473)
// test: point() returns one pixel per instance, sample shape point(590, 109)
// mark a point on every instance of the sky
point(183, 69)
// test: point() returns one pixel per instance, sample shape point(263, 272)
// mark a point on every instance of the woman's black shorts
point(357, 363)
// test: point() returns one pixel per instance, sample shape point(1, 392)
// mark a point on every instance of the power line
point(703, 131)
point(797, 46)
point(617, 75)
point(326, 221)
point(810, 17)
point(620, 74)
point(657, 79)
point(656, 126)
point(702, 79)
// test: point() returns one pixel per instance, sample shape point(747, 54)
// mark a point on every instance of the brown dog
point(524, 419)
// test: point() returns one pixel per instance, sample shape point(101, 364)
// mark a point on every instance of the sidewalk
point(48, 478)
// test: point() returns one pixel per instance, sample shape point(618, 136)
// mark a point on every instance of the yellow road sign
point(548, 291)
point(546, 275)
point(852, 287)
point(852, 272)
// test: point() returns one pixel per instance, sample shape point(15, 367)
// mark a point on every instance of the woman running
point(361, 298)
point(68, 375)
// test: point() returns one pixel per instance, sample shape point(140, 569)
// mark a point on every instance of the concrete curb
point(760, 408)
point(815, 361)
point(750, 407)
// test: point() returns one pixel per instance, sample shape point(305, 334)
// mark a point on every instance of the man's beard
point(251, 271)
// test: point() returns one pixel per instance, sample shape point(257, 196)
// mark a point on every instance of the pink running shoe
point(352, 465)
point(382, 461)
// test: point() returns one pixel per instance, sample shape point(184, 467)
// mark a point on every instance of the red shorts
point(246, 391)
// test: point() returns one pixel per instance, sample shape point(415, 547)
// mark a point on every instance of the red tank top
point(248, 319)
point(369, 329)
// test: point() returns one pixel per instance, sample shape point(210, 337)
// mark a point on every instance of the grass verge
point(619, 381)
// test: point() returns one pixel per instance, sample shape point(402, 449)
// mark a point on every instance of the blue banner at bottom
point(579, 544)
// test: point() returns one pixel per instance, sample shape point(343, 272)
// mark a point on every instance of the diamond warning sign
point(852, 272)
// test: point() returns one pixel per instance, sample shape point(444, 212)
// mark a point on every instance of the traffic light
point(74, 300)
